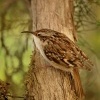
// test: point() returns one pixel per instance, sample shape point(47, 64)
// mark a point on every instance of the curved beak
point(29, 32)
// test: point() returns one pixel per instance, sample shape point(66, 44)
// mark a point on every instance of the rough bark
point(43, 81)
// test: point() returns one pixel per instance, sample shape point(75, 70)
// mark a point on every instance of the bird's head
point(43, 34)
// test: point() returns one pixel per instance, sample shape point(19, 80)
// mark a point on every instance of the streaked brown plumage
point(62, 53)
point(59, 49)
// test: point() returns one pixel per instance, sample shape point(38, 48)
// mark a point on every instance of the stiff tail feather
point(78, 85)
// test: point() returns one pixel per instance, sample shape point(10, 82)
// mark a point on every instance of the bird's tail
point(78, 85)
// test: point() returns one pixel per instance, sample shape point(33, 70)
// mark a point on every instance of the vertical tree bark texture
point(43, 81)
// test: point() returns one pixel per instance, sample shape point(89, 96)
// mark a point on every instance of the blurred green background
point(16, 48)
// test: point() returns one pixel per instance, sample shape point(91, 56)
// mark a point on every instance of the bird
point(59, 51)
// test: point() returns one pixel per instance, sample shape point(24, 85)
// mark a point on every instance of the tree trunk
point(44, 82)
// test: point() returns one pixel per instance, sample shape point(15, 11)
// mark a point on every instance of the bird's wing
point(63, 51)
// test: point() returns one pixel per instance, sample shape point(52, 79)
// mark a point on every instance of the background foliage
point(16, 48)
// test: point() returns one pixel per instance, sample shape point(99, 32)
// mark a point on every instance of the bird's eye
point(38, 34)
point(41, 34)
